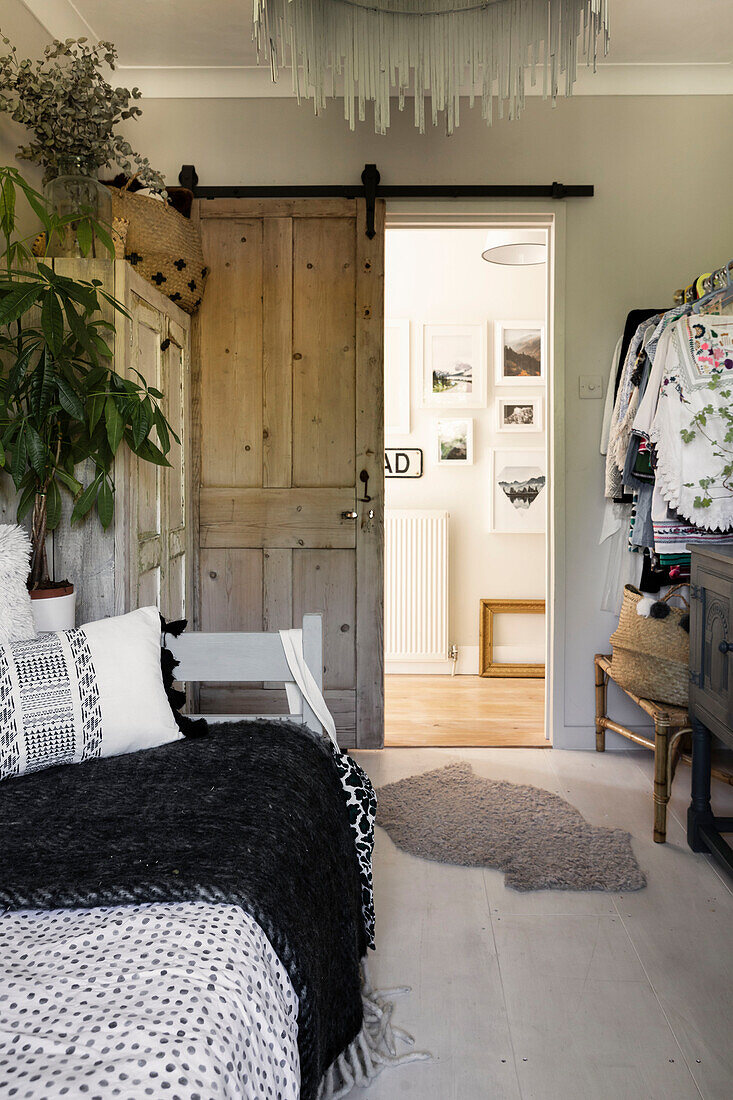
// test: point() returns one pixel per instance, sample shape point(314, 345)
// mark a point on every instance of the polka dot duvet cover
point(186, 1001)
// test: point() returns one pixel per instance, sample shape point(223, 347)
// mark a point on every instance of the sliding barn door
point(289, 424)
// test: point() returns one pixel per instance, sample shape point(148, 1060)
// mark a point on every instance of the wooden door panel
point(289, 413)
point(231, 356)
point(325, 581)
point(231, 590)
point(148, 588)
point(149, 335)
point(324, 288)
point(173, 605)
point(277, 353)
point(277, 517)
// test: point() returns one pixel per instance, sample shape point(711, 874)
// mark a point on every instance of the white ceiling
point(204, 47)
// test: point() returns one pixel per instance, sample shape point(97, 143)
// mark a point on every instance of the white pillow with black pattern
point(78, 694)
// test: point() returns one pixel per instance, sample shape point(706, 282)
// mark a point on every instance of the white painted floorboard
point(555, 995)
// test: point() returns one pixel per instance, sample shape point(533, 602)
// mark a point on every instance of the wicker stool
point(670, 726)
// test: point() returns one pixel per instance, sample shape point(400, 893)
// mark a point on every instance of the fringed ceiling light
point(434, 48)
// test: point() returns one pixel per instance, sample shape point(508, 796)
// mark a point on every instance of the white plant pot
point(54, 610)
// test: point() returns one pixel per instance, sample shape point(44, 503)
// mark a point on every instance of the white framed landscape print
point(454, 442)
point(519, 353)
point(519, 414)
point(454, 366)
point(518, 491)
point(397, 377)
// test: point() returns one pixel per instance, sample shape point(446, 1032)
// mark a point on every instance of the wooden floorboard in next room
point(470, 711)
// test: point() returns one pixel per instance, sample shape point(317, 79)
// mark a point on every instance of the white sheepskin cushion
point(16, 614)
point(95, 691)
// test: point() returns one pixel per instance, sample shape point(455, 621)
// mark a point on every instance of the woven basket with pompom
point(651, 652)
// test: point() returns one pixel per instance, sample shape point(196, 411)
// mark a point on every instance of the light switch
point(590, 386)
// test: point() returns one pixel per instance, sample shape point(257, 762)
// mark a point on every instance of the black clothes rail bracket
point(372, 189)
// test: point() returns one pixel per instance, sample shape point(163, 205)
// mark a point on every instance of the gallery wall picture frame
point(519, 414)
point(487, 610)
point(519, 353)
point(453, 365)
point(397, 376)
point(454, 441)
point(518, 491)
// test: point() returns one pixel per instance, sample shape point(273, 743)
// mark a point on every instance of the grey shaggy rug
point(536, 838)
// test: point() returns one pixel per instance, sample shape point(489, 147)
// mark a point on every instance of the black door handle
point(726, 647)
point(364, 479)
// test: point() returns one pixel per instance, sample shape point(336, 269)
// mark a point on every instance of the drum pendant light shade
point(515, 247)
point(373, 50)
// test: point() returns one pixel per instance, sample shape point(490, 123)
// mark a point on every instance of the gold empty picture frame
point(489, 608)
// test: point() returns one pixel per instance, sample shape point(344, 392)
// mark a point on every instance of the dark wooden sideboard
point(711, 690)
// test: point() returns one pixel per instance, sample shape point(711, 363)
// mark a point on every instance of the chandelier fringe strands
point(374, 49)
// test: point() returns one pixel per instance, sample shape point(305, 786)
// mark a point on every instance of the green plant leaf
point(68, 480)
point(86, 499)
point(7, 206)
point(25, 503)
point(84, 235)
point(17, 302)
point(52, 322)
point(105, 504)
point(114, 422)
point(36, 450)
point(141, 423)
point(150, 453)
point(53, 506)
point(69, 400)
point(19, 456)
point(80, 330)
point(102, 235)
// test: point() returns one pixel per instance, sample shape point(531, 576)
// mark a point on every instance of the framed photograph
point(519, 353)
point(454, 442)
point(454, 366)
point(519, 414)
point(518, 491)
point(397, 377)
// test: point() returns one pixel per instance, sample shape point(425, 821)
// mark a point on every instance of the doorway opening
point(468, 478)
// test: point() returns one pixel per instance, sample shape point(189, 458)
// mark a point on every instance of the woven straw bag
point(119, 235)
point(163, 246)
point(651, 656)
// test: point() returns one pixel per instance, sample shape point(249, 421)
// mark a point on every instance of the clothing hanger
point(718, 292)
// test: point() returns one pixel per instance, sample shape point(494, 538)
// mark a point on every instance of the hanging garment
point(622, 566)
point(610, 396)
point(614, 470)
point(700, 348)
point(633, 320)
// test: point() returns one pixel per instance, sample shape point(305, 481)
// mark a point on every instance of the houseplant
point(72, 113)
point(64, 410)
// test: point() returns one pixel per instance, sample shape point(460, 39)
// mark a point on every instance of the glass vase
point(76, 194)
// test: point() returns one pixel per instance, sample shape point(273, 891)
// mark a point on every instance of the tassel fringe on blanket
point(374, 1048)
point(374, 49)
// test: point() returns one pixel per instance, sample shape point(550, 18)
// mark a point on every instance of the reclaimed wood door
point(288, 442)
point(155, 532)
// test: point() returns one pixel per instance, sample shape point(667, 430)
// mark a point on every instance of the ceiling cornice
point(61, 19)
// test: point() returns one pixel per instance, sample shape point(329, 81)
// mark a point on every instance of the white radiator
point(416, 589)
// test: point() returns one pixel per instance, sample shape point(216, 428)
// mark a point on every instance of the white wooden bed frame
point(248, 658)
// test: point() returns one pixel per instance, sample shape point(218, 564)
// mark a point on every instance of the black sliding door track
point(371, 189)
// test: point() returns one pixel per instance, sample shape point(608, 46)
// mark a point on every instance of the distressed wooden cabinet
point(711, 689)
point(143, 558)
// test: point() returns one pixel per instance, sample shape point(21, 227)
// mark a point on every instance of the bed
point(190, 921)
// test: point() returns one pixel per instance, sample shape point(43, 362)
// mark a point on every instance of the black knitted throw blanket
point(253, 815)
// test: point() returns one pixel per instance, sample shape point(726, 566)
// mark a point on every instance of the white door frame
point(551, 216)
